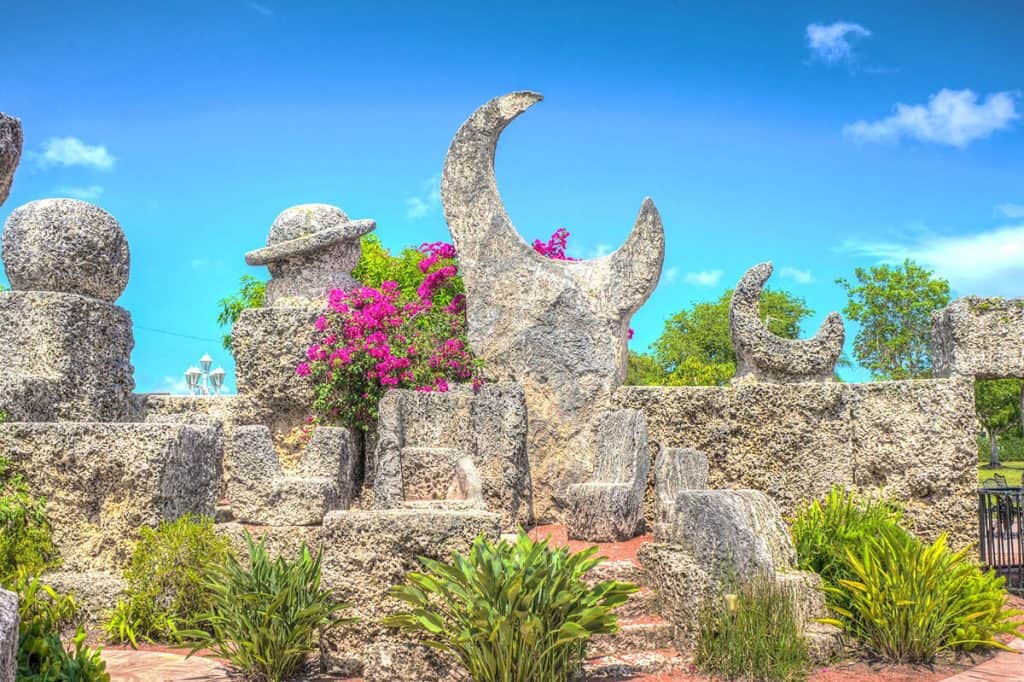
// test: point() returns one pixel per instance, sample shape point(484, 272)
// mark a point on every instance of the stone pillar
point(65, 346)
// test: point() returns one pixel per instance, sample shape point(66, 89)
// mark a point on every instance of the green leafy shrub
point(909, 600)
point(252, 293)
point(25, 535)
point(753, 633)
point(267, 617)
point(165, 581)
point(41, 654)
point(511, 612)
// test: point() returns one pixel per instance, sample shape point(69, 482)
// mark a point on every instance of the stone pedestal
point(73, 349)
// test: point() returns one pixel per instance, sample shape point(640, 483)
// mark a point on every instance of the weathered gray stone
point(75, 349)
point(8, 635)
point(794, 441)
point(311, 249)
point(454, 446)
point(557, 328)
point(737, 531)
point(104, 481)
point(609, 508)
point(65, 245)
point(762, 355)
point(95, 592)
point(676, 470)
point(268, 344)
point(982, 338)
point(262, 492)
point(10, 152)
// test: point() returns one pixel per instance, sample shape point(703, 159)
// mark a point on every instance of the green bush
point(25, 535)
point(41, 654)
point(909, 600)
point(511, 612)
point(823, 531)
point(266, 618)
point(753, 633)
point(165, 581)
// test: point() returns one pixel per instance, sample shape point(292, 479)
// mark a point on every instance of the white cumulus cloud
point(704, 278)
point(428, 200)
point(70, 151)
point(989, 263)
point(1010, 210)
point(797, 275)
point(831, 43)
point(671, 274)
point(90, 193)
point(951, 117)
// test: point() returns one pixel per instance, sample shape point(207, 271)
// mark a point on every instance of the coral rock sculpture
point(10, 152)
point(559, 328)
point(8, 635)
point(764, 356)
point(609, 507)
point(981, 338)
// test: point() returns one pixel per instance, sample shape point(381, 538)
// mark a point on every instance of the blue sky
point(819, 136)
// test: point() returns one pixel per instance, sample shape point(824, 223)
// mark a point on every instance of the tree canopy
point(893, 304)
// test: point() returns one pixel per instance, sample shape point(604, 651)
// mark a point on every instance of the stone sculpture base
point(915, 439)
point(103, 481)
point(979, 337)
point(74, 349)
point(365, 554)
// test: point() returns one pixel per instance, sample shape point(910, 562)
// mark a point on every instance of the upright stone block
point(8, 635)
point(676, 470)
point(982, 338)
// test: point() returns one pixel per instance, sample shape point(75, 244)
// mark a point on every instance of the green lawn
point(1011, 470)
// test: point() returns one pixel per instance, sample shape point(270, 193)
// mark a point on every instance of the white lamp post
point(202, 381)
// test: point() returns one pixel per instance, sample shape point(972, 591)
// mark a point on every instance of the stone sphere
point(68, 246)
point(304, 219)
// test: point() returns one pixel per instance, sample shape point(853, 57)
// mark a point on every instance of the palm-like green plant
point(511, 612)
point(909, 600)
point(267, 617)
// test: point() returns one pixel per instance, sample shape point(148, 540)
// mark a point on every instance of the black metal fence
point(1001, 531)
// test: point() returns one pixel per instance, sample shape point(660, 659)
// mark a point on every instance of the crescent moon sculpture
point(10, 152)
point(558, 328)
point(762, 355)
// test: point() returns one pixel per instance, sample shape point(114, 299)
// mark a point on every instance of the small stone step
point(641, 603)
point(824, 642)
point(622, 570)
point(628, 665)
point(636, 634)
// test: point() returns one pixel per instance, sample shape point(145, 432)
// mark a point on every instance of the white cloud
point(90, 193)
point(427, 201)
point(987, 263)
point(261, 8)
point(174, 385)
point(1010, 210)
point(951, 117)
point(600, 251)
point(671, 275)
point(70, 151)
point(798, 276)
point(831, 43)
point(704, 278)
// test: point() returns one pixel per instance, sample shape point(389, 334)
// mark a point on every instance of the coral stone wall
point(915, 439)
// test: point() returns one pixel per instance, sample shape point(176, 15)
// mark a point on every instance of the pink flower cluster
point(555, 246)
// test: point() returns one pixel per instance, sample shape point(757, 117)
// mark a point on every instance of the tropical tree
point(893, 304)
point(997, 402)
point(251, 294)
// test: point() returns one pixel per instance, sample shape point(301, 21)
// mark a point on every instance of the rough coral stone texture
point(75, 348)
point(428, 444)
point(10, 152)
point(609, 508)
point(741, 529)
point(65, 245)
point(557, 328)
point(303, 220)
point(103, 481)
point(915, 439)
point(981, 338)
point(26, 398)
point(268, 344)
point(95, 592)
point(762, 355)
point(676, 470)
point(8, 635)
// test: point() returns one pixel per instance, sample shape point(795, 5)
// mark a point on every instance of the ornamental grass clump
point(752, 632)
point(165, 581)
point(267, 616)
point(511, 612)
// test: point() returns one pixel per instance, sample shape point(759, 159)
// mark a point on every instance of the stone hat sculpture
point(311, 249)
point(10, 152)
